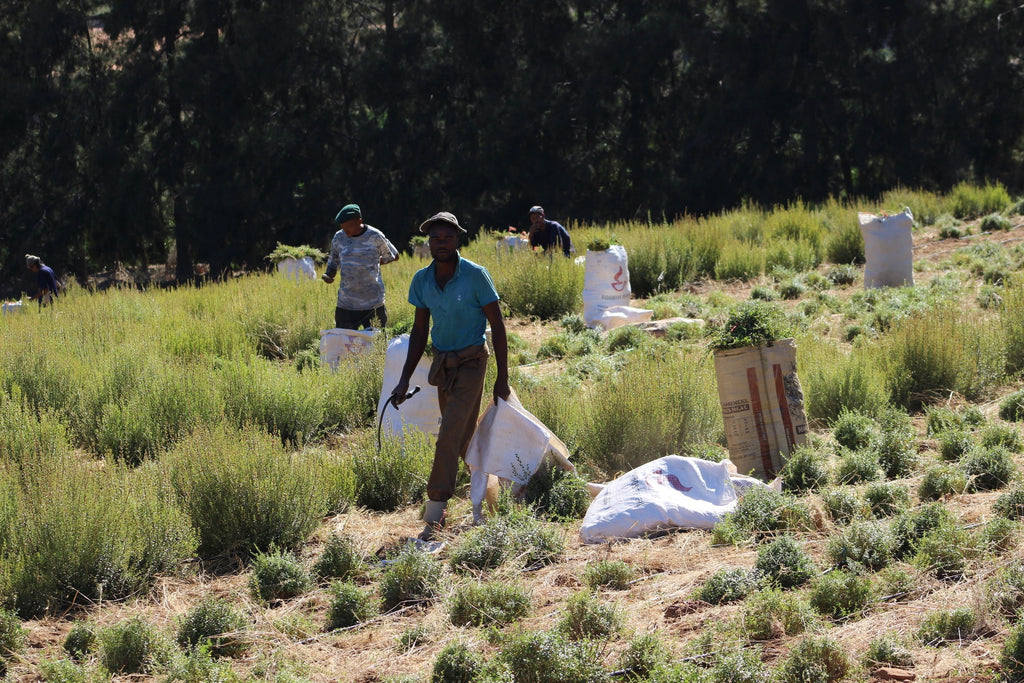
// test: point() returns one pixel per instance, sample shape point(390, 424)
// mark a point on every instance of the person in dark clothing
point(46, 281)
point(547, 234)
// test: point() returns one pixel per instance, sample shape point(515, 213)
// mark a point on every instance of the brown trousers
point(459, 378)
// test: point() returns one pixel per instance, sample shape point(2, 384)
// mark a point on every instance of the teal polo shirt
point(456, 310)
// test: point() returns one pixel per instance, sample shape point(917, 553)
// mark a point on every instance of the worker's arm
point(417, 345)
point(500, 342)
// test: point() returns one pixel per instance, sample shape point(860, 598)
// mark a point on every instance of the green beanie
point(347, 213)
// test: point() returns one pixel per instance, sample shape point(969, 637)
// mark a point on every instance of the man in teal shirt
point(460, 297)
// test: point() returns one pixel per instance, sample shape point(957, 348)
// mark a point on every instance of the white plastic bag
point(888, 249)
point(338, 343)
point(298, 269)
point(420, 412)
point(605, 282)
point(617, 316)
point(673, 492)
point(511, 444)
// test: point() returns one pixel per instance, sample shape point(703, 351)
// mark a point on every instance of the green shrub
point(785, 562)
point(1011, 318)
point(413, 637)
point(843, 505)
point(80, 641)
point(942, 480)
point(969, 201)
point(886, 498)
point(544, 288)
point(858, 466)
point(540, 656)
point(954, 444)
point(613, 574)
point(989, 468)
point(773, 613)
point(213, 623)
point(763, 293)
point(989, 298)
point(941, 419)
point(643, 654)
point(945, 552)
point(513, 537)
point(840, 594)
point(994, 222)
point(1012, 408)
point(867, 544)
point(12, 635)
point(626, 337)
point(278, 575)
point(792, 289)
point(842, 275)
point(910, 527)
point(485, 604)
point(1011, 659)
point(573, 323)
point(411, 578)
point(396, 475)
point(887, 650)
point(456, 663)
point(896, 583)
point(1003, 435)
point(948, 626)
point(586, 617)
point(132, 646)
point(759, 513)
point(1004, 592)
point(845, 245)
point(557, 493)
point(243, 492)
point(854, 430)
point(806, 469)
point(1000, 535)
point(727, 585)
point(737, 261)
point(67, 671)
point(1010, 504)
point(751, 323)
point(340, 559)
point(199, 666)
point(815, 658)
point(350, 605)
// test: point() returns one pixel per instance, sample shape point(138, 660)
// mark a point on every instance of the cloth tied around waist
point(444, 369)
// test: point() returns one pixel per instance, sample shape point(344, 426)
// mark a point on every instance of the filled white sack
point(605, 282)
point(421, 412)
point(339, 343)
point(888, 249)
point(511, 443)
point(298, 269)
point(673, 492)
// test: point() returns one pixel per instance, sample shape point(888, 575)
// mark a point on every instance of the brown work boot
point(433, 518)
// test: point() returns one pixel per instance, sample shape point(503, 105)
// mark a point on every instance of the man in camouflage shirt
point(358, 251)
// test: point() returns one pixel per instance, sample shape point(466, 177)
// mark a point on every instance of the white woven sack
point(511, 444)
point(618, 316)
point(421, 412)
point(672, 492)
point(605, 282)
point(513, 243)
point(338, 343)
point(888, 249)
point(298, 269)
point(12, 307)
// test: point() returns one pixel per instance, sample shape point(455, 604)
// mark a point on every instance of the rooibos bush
point(411, 578)
point(339, 560)
point(946, 626)
point(456, 663)
point(815, 659)
point(613, 574)
point(840, 594)
point(133, 647)
point(806, 469)
point(587, 617)
point(868, 544)
point(727, 585)
point(350, 605)
point(989, 468)
point(785, 562)
point(484, 604)
point(278, 575)
point(215, 623)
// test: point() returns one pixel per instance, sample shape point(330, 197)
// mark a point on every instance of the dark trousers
point(459, 378)
point(353, 320)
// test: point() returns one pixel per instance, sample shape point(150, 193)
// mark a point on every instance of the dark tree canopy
point(223, 127)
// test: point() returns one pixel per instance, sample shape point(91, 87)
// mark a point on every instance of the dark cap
point(537, 209)
point(442, 217)
point(347, 213)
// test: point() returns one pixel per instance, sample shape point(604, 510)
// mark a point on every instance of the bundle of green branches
point(751, 323)
point(284, 251)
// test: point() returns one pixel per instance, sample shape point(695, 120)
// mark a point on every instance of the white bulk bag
point(888, 249)
point(673, 492)
point(12, 307)
point(513, 243)
point(617, 316)
point(421, 412)
point(512, 444)
point(338, 343)
point(605, 282)
point(298, 269)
